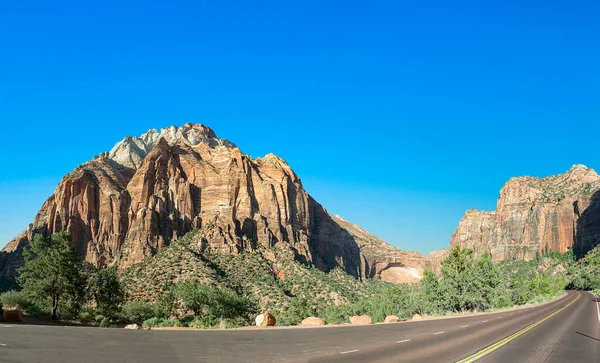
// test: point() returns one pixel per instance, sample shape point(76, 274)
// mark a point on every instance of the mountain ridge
point(126, 204)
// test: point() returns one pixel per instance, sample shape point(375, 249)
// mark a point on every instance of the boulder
point(133, 327)
point(12, 316)
point(265, 319)
point(417, 317)
point(361, 320)
point(391, 319)
point(312, 321)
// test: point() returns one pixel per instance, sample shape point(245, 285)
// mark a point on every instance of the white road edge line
point(4, 345)
point(597, 306)
point(438, 333)
point(403, 341)
point(464, 326)
point(350, 351)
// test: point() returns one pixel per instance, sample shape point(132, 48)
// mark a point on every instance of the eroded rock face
point(536, 215)
point(124, 206)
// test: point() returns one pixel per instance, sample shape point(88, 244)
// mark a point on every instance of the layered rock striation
point(125, 205)
point(537, 215)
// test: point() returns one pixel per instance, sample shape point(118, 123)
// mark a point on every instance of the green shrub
point(211, 303)
point(86, 317)
point(339, 314)
point(136, 312)
point(157, 322)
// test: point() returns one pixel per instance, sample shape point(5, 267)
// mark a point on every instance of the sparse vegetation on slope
point(585, 273)
point(271, 279)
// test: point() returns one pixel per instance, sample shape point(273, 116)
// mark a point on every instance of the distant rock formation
point(537, 215)
point(125, 205)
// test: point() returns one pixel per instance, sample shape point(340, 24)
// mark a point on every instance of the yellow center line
point(489, 349)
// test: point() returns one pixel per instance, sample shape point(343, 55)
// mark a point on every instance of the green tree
point(469, 284)
point(457, 284)
point(488, 281)
point(194, 297)
point(52, 272)
point(428, 299)
point(106, 290)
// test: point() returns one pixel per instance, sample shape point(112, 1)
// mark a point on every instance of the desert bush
point(220, 324)
point(14, 299)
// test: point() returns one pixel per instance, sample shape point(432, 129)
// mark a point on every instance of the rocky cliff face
point(536, 215)
point(125, 205)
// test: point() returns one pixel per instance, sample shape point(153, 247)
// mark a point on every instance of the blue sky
point(397, 115)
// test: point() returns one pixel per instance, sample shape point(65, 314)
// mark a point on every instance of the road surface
point(566, 330)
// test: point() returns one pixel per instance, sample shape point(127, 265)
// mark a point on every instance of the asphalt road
point(567, 330)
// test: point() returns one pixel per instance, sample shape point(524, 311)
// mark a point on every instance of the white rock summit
point(132, 150)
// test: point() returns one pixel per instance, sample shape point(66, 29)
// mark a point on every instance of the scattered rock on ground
point(361, 320)
point(312, 321)
point(265, 319)
point(417, 317)
point(392, 319)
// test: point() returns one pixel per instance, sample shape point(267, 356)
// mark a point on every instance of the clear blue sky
point(397, 115)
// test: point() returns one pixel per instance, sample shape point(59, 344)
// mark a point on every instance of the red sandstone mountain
point(125, 205)
point(536, 215)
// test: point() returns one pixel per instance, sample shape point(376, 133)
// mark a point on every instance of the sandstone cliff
point(125, 205)
point(536, 215)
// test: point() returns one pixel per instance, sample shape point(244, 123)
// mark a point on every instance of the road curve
point(566, 330)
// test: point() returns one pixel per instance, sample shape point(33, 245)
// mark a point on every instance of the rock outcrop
point(535, 216)
point(125, 205)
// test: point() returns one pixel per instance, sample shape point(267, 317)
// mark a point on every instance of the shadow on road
point(587, 336)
